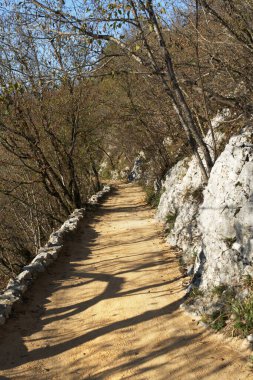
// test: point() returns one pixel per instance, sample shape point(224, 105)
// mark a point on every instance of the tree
point(49, 150)
point(102, 21)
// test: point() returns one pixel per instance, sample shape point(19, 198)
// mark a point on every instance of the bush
point(219, 290)
point(243, 316)
point(152, 197)
point(196, 194)
point(194, 293)
point(218, 320)
point(248, 282)
point(170, 221)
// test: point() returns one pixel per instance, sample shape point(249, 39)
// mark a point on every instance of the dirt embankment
point(109, 309)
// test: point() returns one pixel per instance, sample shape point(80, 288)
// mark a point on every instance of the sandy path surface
point(109, 309)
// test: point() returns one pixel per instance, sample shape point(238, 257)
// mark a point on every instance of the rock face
point(226, 215)
point(215, 226)
point(183, 194)
point(179, 207)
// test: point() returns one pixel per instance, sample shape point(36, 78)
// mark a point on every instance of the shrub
point(170, 221)
point(194, 293)
point(243, 316)
point(152, 197)
point(196, 194)
point(219, 290)
point(248, 282)
point(218, 320)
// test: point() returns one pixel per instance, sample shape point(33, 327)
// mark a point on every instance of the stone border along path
point(18, 286)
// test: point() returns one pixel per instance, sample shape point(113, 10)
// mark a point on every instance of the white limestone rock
point(24, 276)
point(93, 200)
point(183, 194)
point(70, 224)
point(226, 215)
point(78, 212)
point(250, 338)
point(171, 197)
point(181, 199)
point(34, 268)
point(106, 188)
point(56, 238)
point(44, 258)
point(15, 287)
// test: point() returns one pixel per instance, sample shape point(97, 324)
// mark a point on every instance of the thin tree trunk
point(176, 94)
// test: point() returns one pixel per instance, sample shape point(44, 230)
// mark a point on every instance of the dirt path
point(109, 309)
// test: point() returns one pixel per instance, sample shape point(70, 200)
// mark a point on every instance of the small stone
point(203, 324)
point(250, 338)
point(237, 247)
point(55, 238)
point(24, 276)
point(50, 249)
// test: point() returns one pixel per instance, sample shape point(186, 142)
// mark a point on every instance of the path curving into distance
point(109, 309)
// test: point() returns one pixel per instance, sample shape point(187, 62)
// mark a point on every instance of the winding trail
point(109, 309)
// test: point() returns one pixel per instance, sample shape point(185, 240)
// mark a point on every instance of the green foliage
point(219, 290)
point(230, 241)
point(243, 315)
point(152, 197)
point(181, 262)
point(170, 221)
point(196, 194)
point(248, 281)
point(194, 293)
point(250, 360)
point(236, 315)
point(105, 173)
point(193, 257)
point(218, 320)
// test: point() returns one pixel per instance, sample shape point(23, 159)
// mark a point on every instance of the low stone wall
point(16, 287)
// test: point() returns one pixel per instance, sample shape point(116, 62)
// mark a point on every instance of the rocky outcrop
point(178, 207)
point(16, 287)
point(226, 216)
point(182, 196)
point(214, 227)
